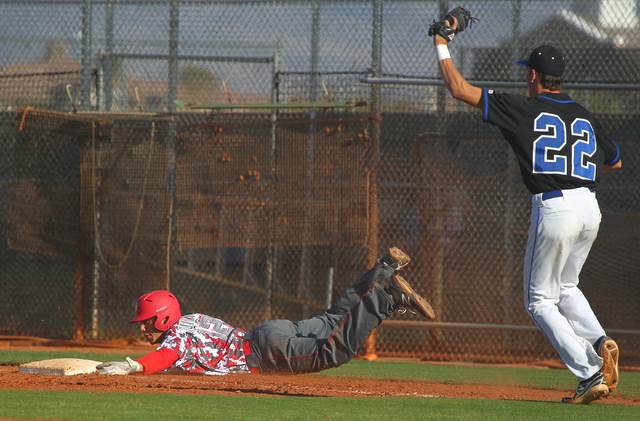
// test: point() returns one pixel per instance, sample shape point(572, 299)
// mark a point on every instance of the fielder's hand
point(115, 367)
point(462, 17)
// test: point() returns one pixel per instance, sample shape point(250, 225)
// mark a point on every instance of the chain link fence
point(247, 213)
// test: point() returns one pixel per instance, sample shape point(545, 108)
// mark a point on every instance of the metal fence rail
point(498, 84)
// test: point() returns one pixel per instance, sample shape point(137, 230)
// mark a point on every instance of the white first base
point(60, 366)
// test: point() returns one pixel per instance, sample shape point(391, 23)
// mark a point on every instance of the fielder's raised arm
point(443, 32)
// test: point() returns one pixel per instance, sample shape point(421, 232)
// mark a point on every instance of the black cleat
point(589, 390)
point(394, 258)
point(405, 297)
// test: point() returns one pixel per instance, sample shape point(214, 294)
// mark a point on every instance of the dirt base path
point(178, 382)
point(273, 385)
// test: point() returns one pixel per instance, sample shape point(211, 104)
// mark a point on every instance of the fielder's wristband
point(442, 51)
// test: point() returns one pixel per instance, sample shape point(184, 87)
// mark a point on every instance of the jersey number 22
point(545, 158)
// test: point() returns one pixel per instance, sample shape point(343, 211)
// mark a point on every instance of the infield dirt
point(178, 382)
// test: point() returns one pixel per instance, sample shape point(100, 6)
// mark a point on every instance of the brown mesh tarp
point(260, 184)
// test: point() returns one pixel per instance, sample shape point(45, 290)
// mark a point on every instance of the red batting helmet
point(158, 303)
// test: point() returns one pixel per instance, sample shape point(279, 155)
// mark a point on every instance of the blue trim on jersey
point(617, 155)
point(486, 106)
point(557, 100)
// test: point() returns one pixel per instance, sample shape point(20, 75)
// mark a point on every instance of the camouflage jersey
point(206, 345)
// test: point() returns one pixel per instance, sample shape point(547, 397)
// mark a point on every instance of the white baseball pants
point(561, 233)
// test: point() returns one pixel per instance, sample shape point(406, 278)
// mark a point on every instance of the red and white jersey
point(206, 345)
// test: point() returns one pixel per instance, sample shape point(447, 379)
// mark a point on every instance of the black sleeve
point(504, 110)
point(607, 145)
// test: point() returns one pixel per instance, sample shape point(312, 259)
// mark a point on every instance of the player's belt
point(551, 194)
point(555, 193)
point(246, 347)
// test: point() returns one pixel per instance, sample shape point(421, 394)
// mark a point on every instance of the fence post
point(374, 166)
point(172, 241)
point(304, 291)
point(174, 32)
point(85, 89)
point(82, 267)
point(511, 191)
point(273, 255)
point(315, 41)
point(107, 63)
point(439, 211)
point(376, 71)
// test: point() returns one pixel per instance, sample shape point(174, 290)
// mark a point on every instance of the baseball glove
point(464, 20)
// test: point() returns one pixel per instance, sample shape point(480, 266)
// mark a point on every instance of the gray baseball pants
point(325, 341)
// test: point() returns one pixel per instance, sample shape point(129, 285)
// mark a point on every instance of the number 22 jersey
point(558, 143)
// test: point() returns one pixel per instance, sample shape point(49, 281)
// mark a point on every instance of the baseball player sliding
point(561, 149)
point(202, 344)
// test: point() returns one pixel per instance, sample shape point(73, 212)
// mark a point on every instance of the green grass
point(130, 406)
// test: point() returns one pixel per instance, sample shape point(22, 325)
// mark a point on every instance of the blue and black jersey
point(559, 144)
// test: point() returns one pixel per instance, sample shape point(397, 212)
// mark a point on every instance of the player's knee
point(539, 307)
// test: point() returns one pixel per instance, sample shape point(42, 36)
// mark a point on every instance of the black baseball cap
point(545, 59)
